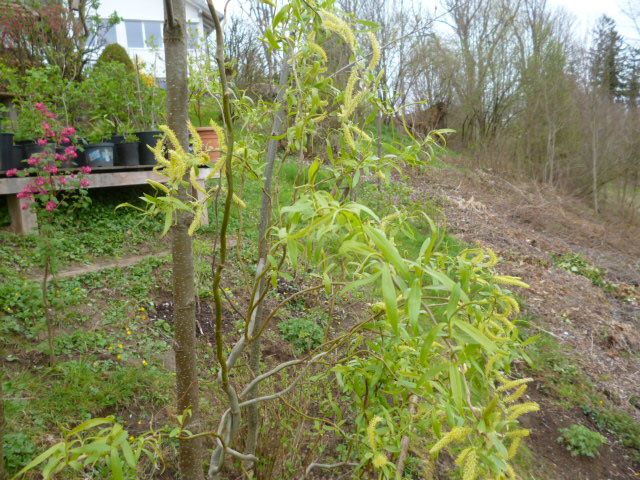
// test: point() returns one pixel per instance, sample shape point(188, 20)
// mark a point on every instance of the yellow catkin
point(348, 136)
point(516, 395)
point(513, 448)
point(348, 105)
point(513, 384)
point(470, 470)
point(509, 280)
point(375, 51)
point(428, 472)
point(513, 302)
point(318, 50)
point(196, 141)
point(456, 433)
point(522, 432)
point(505, 321)
point(511, 473)
point(462, 456)
point(371, 431)
point(222, 141)
point(490, 364)
point(518, 410)
point(341, 28)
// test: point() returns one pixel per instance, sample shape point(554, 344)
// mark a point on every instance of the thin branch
point(327, 466)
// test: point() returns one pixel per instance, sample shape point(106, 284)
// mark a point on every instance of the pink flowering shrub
point(52, 179)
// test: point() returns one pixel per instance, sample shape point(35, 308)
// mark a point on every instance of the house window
point(135, 36)
point(143, 34)
point(105, 34)
point(153, 34)
point(110, 35)
point(193, 35)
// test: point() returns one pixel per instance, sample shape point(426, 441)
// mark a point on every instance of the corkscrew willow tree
point(444, 332)
point(430, 366)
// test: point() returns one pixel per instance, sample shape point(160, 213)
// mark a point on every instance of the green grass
point(81, 236)
point(109, 351)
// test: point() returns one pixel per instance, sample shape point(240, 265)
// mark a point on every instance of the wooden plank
point(14, 185)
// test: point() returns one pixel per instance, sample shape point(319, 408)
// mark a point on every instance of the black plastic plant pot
point(31, 148)
point(6, 151)
point(116, 140)
point(97, 155)
point(17, 156)
point(146, 140)
point(126, 154)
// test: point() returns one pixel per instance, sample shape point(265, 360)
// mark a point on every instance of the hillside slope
point(597, 328)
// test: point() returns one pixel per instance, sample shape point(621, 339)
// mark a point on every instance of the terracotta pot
point(210, 140)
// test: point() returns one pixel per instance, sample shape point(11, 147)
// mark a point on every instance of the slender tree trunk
point(594, 163)
point(47, 310)
point(253, 418)
point(175, 46)
point(3, 473)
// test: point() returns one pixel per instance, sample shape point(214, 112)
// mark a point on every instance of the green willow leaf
point(390, 298)
point(476, 335)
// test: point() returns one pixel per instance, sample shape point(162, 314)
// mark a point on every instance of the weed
point(304, 334)
point(80, 341)
point(579, 440)
point(18, 450)
point(577, 264)
point(619, 423)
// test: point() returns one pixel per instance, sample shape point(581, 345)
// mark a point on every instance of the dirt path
point(526, 226)
point(98, 266)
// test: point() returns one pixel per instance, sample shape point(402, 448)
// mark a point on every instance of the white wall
point(150, 10)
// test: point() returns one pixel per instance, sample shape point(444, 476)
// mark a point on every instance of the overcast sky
point(586, 13)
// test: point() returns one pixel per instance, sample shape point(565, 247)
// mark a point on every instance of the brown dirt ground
point(526, 224)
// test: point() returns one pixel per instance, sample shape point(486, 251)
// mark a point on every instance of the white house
point(140, 30)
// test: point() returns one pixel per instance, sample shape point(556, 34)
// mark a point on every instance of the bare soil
point(526, 225)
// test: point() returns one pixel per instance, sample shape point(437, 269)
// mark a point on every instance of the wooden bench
point(24, 221)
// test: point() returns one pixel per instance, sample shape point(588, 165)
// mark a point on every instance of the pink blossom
point(33, 161)
point(12, 172)
point(68, 132)
point(60, 157)
point(26, 193)
point(71, 152)
point(65, 140)
point(42, 142)
point(25, 206)
point(52, 169)
point(41, 106)
point(85, 169)
point(51, 206)
point(63, 180)
point(40, 181)
point(85, 183)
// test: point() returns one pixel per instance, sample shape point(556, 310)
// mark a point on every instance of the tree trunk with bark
point(175, 46)
point(253, 420)
point(3, 473)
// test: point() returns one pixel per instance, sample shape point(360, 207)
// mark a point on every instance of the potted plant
point(6, 141)
point(149, 112)
point(44, 85)
point(126, 151)
point(95, 151)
